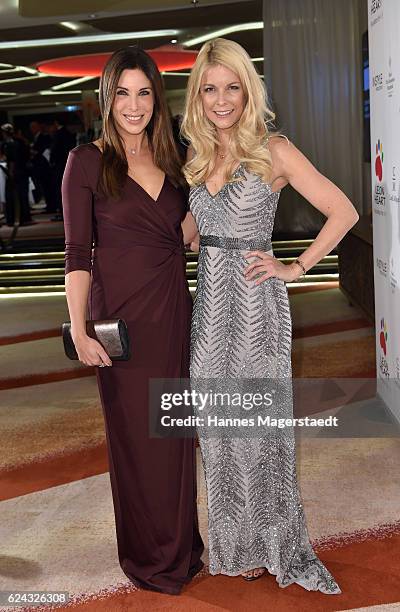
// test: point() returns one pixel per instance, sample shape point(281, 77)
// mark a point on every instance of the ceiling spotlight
point(92, 38)
point(38, 75)
point(67, 84)
point(71, 25)
point(242, 27)
point(28, 69)
point(49, 92)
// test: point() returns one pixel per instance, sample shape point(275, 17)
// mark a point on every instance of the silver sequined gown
point(242, 331)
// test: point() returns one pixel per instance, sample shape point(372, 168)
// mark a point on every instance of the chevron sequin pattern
point(241, 331)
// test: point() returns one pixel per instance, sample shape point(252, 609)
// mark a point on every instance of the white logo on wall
point(377, 81)
point(382, 266)
point(390, 81)
point(393, 275)
point(376, 11)
point(394, 195)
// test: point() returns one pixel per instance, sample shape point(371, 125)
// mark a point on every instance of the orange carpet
point(40, 379)
point(53, 471)
point(368, 573)
point(28, 337)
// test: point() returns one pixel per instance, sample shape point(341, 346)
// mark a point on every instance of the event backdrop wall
point(384, 65)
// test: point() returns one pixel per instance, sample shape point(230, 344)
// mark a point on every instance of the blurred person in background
point(181, 143)
point(63, 141)
point(40, 148)
point(3, 180)
point(17, 154)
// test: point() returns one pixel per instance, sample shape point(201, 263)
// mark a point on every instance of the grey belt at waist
point(238, 244)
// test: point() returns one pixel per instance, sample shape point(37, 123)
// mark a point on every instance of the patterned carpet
point(57, 528)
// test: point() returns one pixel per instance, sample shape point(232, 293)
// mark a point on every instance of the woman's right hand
point(90, 352)
point(195, 244)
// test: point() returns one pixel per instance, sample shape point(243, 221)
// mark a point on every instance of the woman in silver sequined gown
point(241, 332)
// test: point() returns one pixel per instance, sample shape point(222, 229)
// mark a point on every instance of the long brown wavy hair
point(159, 131)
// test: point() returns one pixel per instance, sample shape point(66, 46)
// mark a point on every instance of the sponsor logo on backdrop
point(376, 11)
point(382, 267)
point(377, 81)
point(379, 161)
point(393, 276)
point(397, 371)
point(395, 195)
point(376, 5)
point(383, 342)
point(383, 336)
point(390, 81)
point(379, 192)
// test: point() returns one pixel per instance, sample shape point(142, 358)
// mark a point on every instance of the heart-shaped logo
point(379, 161)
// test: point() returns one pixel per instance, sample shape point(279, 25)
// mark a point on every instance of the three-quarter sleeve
point(77, 200)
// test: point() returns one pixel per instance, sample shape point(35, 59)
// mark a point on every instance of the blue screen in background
point(366, 78)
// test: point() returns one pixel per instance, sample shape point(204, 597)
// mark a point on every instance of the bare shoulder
point(287, 159)
point(276, 140)
point(279, 146)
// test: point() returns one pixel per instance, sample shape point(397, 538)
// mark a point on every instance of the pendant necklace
point(223, 155)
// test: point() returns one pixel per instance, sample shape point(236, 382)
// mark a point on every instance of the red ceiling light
point(167, 58)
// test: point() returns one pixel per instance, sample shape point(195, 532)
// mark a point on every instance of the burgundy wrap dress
point(138, 274)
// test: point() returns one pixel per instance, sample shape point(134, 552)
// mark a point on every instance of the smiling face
point(133, 103)
point(222, 96)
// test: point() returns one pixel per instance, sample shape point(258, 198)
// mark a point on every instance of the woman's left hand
point(271, 267)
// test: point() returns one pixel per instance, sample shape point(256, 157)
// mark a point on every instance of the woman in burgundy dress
point(124, 193)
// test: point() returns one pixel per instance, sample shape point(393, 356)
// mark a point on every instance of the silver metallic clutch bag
point(112, 335)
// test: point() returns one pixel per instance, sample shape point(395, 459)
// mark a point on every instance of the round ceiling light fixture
point(167, 57)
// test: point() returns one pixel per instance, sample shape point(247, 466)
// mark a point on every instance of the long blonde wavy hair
point(249, 136)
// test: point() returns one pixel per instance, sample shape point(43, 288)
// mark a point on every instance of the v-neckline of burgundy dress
point(154, 201)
